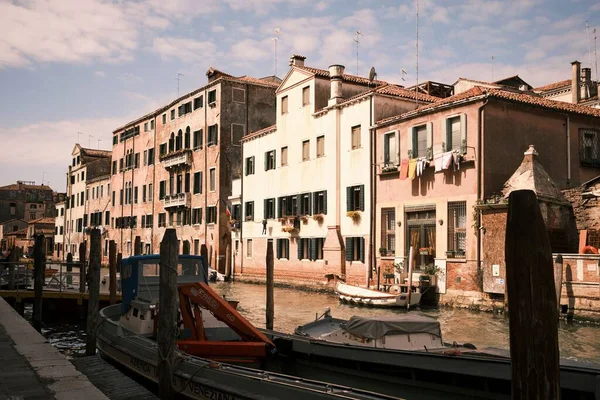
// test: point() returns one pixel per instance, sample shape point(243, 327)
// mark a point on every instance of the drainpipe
point(205, 191)
point(242, 192)
point(568, 150)
point(131, 251)
point(122, 199)
point(153, 189)
point(372, 157)
point(480, 127)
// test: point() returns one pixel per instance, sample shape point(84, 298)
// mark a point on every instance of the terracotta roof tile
point(96, 153)
point(323, 73)
point(399, 91)
point(552, 86)
point(16, 233)
point(43, 220)
point(15, 186)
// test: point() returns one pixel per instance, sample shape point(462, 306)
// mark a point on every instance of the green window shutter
point(309, 211)
point(266, 160)
point(274, 159)
point(288, 206)
point(325, 202)
point(349, 199)
point(313, 249)
point(278, 248)
point(349, 249)
point(361, 200)
point(287, 248)
point(361, 250)
point(265, 202)
point(300, 242)
point(246, 167)
point(463, 133)
point(314, 200)
point(279, 207)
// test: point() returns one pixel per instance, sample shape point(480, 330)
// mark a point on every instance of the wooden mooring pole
point(39, 264)
point(186, 247)
point(94, 291)
point(270, 301)
point(13, 259)
point(137, 246)
point(531, 293)
point(228, 272)
point(558, 278)
point(82, 264)
point(112, 272)
point(167, 314)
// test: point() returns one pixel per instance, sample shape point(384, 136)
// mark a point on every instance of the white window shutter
point(382, 153)
point(397, 155)
point(410, 139)
point(463, 133)
point(444, 134)
point(430, 140)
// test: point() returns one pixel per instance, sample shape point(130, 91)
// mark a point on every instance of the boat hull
point(367, 297)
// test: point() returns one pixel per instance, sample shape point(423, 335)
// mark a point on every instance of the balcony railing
point(177, 158)
point(177, 200)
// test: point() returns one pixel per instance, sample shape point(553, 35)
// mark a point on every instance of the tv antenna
point(403, 73)
point(79, 136)
point(99, 140)
point(357, 42)
point(587, 31)
point(417, 47)
point(178, 79)
point(89, 139)
point(276, 40)
point(372, 74)
point(596, 53)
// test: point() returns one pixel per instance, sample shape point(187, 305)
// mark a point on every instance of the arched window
point(187, 138)
point(179, 140)
point(172, 142)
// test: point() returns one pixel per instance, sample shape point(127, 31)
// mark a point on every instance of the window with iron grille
point(589, 151)
point(388, 230)
point(457, 229)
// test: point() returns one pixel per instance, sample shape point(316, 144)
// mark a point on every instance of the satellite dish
point(372, 74)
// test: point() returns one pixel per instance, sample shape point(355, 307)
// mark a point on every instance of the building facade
point(472, 143)
point(174, 166)
point(306, 181)
point(580, 89)
point(59, 232)
point(26, 200)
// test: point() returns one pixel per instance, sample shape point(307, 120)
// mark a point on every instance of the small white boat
point(367, 297)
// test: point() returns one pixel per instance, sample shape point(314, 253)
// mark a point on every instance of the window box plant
point(459, 254)
point(450, 254)
point(425, 251)
point(355, 215)
point(289, 229)
point(304, 218)
point(249, 218)
point(319, 218)
point(383, 251)
point(389, 168)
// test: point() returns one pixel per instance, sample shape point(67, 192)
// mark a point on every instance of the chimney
point(336, 72)
point(586, 79)
point(297, 60)
point(530, 154)
point(575, 79)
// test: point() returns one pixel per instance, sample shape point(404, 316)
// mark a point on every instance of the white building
point(59, 230)
point(306, 175)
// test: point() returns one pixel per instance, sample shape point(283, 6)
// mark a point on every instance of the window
point(32, 215)
point(305, 204)
point(422, 137)
point(355, 137)
point(284, 105)
point(453, 140)
point(320, 202)
point(306, 150)
point(115, 140)
point(589, 151)
point(249, 210)
point(114, 167)
point(198, 139)
point(213, 132)
point(305, 95)
point(355, 198)
point(196, 216)
point(270, 160)
point(187, 183)
point(172, 115)
point(316, 247)
point(269, 208)
point(185, 108)
point(197, 247)
point(237, 133)
point(151, 124)
point(197, 182)
point(457, 233)
point(303, 249)
point(162, 220)
point(198, 102)
point(238, 95)
point(390, 149)
point(164, 118)
point(283, 248)
point(284, 156)
point(355, 249)
point(135, 195)
point(162, 189)
point(211, 215)
point(320, 146)
point(136, 160)
point(249, 248)
point(388, 231)
point(249, 165)
point(420, 234)
point(212, 180)
point(145, 127)
point(162, 150)
point(186, 141)
point(212, 97)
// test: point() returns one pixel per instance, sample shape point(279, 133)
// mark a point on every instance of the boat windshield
point(185, 267)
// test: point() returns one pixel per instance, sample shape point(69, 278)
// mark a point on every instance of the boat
point(219, 353)
point(368, 297)
point(408, 351)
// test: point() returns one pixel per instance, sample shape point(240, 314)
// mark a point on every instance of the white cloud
point(321, 6)
point(100, 74)
point(183, 49)
point(262, 7)
point(129, 77)
point(218, 28)
point(251, 50)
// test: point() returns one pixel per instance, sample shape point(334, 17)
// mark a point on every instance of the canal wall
point(31, 365)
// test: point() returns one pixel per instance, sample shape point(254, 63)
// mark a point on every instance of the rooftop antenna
point(493, 68)
point(89, 137)
point(357, 42)
point(403, 73)
point(99, 140)
point(276, 40)
point(417, 46)
point(587, 31)
point(43, 177)
point(178, 79)
point(596, 53)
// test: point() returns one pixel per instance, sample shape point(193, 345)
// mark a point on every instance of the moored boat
point(368, 297)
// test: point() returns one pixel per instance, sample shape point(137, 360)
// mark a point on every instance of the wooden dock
point(24, 294)
point(110, 380)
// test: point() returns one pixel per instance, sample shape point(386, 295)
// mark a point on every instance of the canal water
point(296, 307)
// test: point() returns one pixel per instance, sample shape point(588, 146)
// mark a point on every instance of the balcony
point(179, 158)
point(177, 200)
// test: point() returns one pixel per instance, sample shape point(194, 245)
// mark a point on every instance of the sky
point(72, 71)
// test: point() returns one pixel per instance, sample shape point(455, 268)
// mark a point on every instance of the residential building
point(306, 181)
point(471, 144)
point(41, 226)
point(580, 89)
point(174, 166)
point(59, 232)
point(12, 225)
point(25, 200)
point(87, 165)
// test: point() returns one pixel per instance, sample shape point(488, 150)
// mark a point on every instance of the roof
point(531, 175)
point(323, 73)
point(379, 326)
point(553, 86)
point(13, 220)
point(43, 220)
point(96, 153)
point(15, 186)
point(260, 132)
point(478, 92)
point(17, 233)
point(476, 81)
point(399, 91)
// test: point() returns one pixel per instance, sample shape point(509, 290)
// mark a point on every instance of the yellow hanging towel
point(412, 167)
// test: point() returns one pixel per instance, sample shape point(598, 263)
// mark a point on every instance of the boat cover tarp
point(378, 327)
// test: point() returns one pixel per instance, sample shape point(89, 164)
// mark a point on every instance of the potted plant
point(383, 251)
point(425, 251)
point(355, 215)
point(429, 274)
point(289, 229)
point(319, 218)
point(389, 169)
point(459, 253)
point(248, 218)
point(304, 218)
point(450, 254)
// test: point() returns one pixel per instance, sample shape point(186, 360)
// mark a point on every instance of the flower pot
point(424, 252)
point(450, 254)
